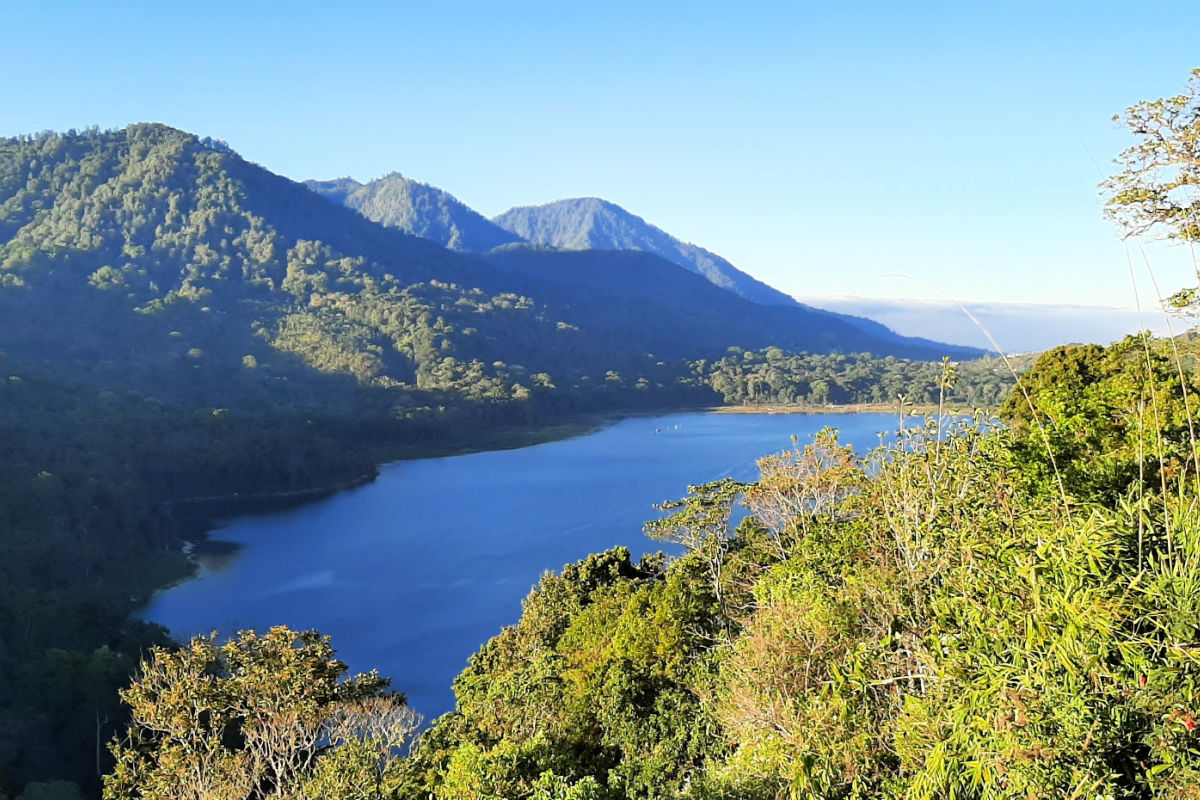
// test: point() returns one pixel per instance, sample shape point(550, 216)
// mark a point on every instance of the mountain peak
point(416, 208)
point(594, 223)
point(581, 223)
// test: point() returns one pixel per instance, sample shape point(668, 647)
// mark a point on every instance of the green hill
point(152, 251)
point(416, 208)
point(594, 224)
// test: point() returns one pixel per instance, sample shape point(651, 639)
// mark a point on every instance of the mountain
point(150, 255)
point(592, 223)
point(662, 297)
point(589, 223)
point(578, 224)
point(416, 208)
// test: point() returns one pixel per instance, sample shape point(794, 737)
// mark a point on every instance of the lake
point(410, 574)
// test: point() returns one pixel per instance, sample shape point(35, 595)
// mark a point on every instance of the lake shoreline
point(203, 517)
point(458, 542)
point(835, 408)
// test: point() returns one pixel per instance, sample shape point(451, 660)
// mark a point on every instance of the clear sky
point(818, 146)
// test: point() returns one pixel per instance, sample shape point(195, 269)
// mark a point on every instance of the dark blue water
point(413, 572)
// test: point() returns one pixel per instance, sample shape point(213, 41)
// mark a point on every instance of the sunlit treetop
point(1158, 187)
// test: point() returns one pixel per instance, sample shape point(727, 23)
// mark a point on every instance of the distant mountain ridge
point(594, 224)
point(597, 283)
point(416, 208)
point(585, 223)
point(148, 250)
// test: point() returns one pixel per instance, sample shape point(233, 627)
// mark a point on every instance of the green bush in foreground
point(267, 716)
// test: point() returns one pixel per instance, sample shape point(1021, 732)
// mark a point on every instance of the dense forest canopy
point(773, 377)
point(419, 209)
point(154, 240)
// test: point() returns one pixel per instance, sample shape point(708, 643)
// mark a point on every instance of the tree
point(1113, 418)
point(257, 717)
point(700, 523)
point(1158, 187)
point(802, 487)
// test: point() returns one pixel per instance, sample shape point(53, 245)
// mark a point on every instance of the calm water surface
point(413, 572)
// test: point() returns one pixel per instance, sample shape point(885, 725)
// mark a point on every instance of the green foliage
point(588, 695)
point(700, 523)
point(930, 620)
point(189, 335)
point(121, 237)
point(267, 716)
point(957, 615)
point(774, 377)
point(1156, 188)
point(1111, 418)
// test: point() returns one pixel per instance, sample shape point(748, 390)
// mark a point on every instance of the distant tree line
point(772, 376)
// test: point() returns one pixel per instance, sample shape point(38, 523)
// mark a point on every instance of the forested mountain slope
point(416, 208)
point(592, 223)
point(149, 248)
point(578, 224)
point(589, 223)
point(669, 299)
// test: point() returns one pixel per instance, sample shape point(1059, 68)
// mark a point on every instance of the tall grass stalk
point(1144, 336)
point(1012, 371)
point(1187, 406)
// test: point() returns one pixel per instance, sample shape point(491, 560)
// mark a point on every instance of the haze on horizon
point(816, 148)
point(1013, 327)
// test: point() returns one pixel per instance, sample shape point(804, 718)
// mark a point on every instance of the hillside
point(416, 208)
point(667, 300)
point(953, 614)
point(589, 223)
point(154, 252)
point(582, 224)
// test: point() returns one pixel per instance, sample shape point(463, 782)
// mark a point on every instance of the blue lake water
point(412, 573)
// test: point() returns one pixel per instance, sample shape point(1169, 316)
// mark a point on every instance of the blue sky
point(817, 146)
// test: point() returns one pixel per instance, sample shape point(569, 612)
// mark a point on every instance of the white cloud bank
point(1016, 327)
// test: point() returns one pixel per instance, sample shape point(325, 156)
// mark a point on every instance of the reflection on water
point(412, 573)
